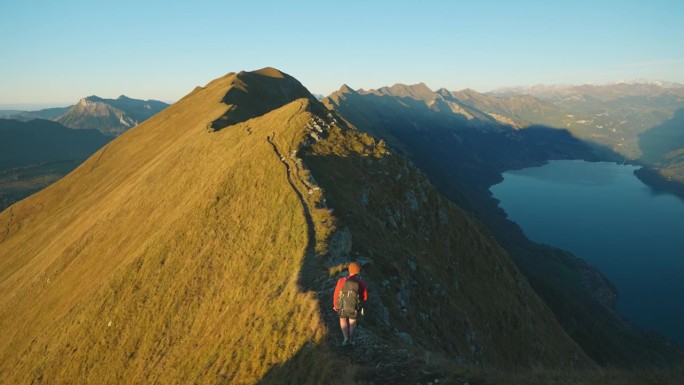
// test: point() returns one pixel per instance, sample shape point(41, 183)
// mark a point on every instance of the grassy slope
point(163, 258)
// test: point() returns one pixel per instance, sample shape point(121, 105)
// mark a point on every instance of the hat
point(354, 268)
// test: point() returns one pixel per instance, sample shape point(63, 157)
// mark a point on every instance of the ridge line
point(311, 230)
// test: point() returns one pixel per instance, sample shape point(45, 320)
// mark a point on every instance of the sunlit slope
point(170, 256)
point(202, 247)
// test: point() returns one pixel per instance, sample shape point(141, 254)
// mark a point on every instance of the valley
point(463, 156)
point(37, 148)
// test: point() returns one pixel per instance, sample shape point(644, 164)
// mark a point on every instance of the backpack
point(348, 302)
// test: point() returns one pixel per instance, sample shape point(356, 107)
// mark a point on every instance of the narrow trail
point(384, 364)
point(311, 229)
point(389, 366)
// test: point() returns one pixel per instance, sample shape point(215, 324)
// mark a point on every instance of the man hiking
point(347, 301)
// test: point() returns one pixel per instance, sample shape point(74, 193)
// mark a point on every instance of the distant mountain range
point(612, 115)
point(643, 121)
point(618, 117)
point(39, 147)
point(110, 116)
point(463, 141)
point(24, 116)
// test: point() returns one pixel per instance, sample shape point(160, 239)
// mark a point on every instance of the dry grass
point(170, 256)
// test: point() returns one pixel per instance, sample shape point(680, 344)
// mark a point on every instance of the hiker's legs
point(344, 325)
point(352, 327)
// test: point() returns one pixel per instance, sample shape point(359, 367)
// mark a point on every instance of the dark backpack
point(348, 302)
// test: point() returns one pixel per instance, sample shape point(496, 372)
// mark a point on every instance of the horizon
point(58, 53)
point(40, 106)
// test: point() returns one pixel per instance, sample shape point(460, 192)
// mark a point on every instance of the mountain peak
point(89, 100)
point(255, 93)
point(443, 92)
point(345, 89)
point(419, 91)
point(269, 72)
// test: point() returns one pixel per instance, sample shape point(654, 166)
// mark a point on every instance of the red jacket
point(363, 292)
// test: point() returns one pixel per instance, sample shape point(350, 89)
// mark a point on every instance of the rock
point(403, 298)
point(405, 337)
point(340, 246)
point(411, 201)
point(365, 194)
point(412, 265)
point(443, 218)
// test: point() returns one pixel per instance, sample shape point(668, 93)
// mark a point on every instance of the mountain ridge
point(135, 257)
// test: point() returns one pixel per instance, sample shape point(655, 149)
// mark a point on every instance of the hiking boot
point(345, 342)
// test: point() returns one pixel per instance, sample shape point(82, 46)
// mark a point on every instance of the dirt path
point(311, 229)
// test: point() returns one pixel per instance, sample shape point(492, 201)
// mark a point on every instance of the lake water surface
point(604, 214)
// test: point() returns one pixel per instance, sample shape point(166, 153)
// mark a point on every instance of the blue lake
point(604, 214)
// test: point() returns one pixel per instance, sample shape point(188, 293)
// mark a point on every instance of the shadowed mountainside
point(40, 141)
point(34, 154)
point(663, 155)
point(255, 93)
point(463, 156)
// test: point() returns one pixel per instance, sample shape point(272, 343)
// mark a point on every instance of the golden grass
point(171, 256)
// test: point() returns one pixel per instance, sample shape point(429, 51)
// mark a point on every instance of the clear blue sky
point(59, 51)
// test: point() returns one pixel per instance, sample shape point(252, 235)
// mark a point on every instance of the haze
point(57, 52)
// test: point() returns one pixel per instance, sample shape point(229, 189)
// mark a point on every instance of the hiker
point(347, 301)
